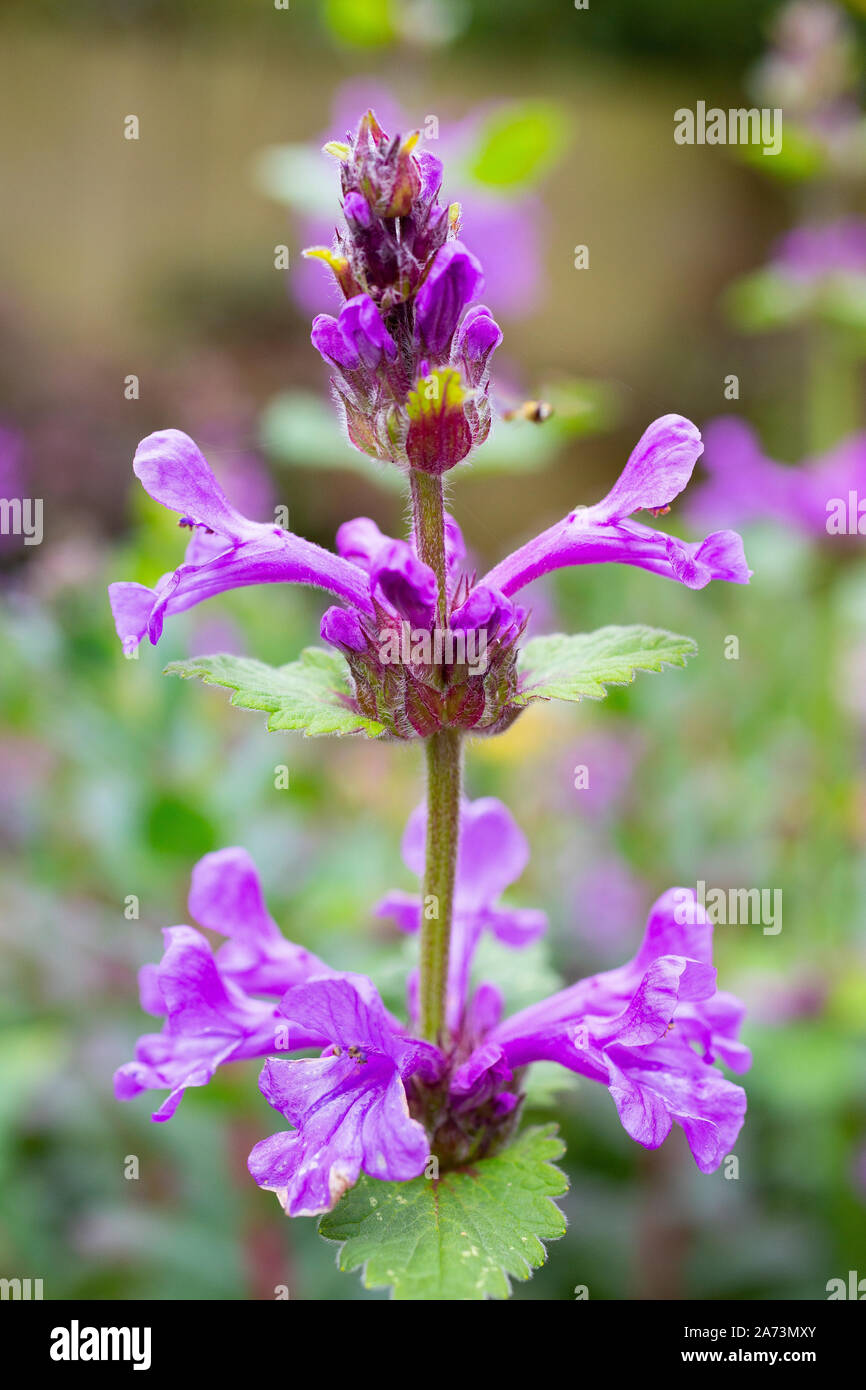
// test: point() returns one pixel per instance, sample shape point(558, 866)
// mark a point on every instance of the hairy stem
point(444, 758)
point(428, 514)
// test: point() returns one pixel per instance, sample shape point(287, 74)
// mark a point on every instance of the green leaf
point(579, 667)
point(462, 1237)
point(518, 144)
point(308, 694)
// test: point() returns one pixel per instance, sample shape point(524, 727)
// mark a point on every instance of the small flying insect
point(535, 411)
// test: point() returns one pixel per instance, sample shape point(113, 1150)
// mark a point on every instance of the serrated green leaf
point(308, 695)
point(579, 667)
point(463, 1237)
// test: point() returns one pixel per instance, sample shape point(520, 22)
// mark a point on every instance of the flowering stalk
point(444, 762)
point(410, 355)
point(428, 514)
point(444, 759)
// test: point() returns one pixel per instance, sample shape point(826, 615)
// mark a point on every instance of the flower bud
point(439, 435)
point(453, 281)
point(343, 630)
point(406, 583)
point(475, 341)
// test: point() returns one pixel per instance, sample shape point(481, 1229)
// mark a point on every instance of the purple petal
point(172, 468)
point(453, 281)
point(656, 1086)
point(658, 469)
point(475, 341)
point(330, 341)
point(346, 1010)
point(226, 896)
point(581, 540)
point(343, 629)
point(281, 558)
point(362, 326)
point(349, 1115)
point(360, 540)
point(209, 1021)
point(405, 582)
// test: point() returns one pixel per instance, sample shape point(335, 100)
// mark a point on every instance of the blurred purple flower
point(745, 486)
point(809, 254)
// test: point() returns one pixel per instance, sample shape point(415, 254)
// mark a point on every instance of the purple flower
point(809, 254)
point(348, 1107)
point(492, 855)
point(453, 281)
point(478, 336)
point(657, 470)
point(650, 1031)
point(506, 225)
point(226, 550)
point(356, 342)
point(211, 1011)
point(405, 582)
point(745, 486)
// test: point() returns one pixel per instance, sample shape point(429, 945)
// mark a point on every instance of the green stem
point(428, 513)
point(444, 759)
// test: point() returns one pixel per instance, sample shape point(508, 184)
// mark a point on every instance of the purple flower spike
point(658, 469)
point(453, 281)
point(405, 582)
point(226, 551)
point(349, 1107)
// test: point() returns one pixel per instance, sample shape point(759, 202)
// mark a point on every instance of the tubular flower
point(211, 1005)
point(225, 551)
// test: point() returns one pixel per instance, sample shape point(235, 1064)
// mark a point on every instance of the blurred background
point(157, 259)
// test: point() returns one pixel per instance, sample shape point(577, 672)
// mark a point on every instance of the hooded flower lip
point(657, 470)
point(492, 854)
point(405, 582)
point(349, 1107)
point(226, 896)
point(211, 1013)
point(226, 550)
point(650, 1031)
